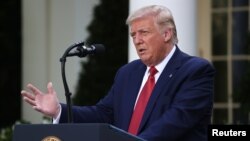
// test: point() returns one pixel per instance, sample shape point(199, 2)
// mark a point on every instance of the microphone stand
point(66, 88)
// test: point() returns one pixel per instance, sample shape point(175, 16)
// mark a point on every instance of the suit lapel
point(162, 84)
point(135, 80)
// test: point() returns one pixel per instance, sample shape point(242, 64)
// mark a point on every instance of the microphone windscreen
point(99, 48)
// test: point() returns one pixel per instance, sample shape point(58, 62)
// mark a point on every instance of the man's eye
point(132, 35)
point(144, 32)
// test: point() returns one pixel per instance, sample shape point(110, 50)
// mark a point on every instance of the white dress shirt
point(159, 68)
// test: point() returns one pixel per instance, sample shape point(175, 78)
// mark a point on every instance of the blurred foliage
point(7, 132)
point(109, 28)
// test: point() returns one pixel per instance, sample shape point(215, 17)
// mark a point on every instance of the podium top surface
point(71, 132)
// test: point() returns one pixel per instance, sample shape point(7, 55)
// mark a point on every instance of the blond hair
point(162, 15)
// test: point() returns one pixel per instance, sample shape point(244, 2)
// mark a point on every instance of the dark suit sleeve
point(88, 114)
point(190, 109)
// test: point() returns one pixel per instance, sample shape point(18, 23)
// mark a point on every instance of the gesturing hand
point(46, 103)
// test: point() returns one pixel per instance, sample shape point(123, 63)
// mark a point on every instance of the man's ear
point(167, 34)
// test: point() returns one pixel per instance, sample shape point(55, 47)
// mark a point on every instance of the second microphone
point(82, 51)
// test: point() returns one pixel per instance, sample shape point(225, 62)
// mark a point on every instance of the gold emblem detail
point(51, 138)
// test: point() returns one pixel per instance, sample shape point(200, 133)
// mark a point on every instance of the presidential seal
point(51, 138)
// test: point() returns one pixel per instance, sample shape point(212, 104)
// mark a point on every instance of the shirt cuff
point(57, 119)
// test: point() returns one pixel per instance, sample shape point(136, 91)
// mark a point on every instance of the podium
point(71, 132)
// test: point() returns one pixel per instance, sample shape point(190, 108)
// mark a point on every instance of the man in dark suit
point(179, 93)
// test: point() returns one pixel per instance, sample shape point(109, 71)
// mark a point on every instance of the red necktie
point(142, 102)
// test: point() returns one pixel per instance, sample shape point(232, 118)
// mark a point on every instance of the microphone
point(83, 50)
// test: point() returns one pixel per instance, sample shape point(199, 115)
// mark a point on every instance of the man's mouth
point(141, 50)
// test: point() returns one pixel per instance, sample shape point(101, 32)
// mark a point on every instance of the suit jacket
point(179, 108)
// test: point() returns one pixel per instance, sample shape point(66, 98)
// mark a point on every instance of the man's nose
point(137, 39)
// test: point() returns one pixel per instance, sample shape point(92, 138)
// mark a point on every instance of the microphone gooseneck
point(80, 51)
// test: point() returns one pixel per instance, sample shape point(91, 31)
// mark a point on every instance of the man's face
point(150, 44)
